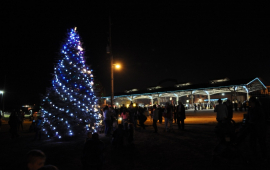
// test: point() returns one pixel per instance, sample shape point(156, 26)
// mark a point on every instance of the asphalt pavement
point(177, 149)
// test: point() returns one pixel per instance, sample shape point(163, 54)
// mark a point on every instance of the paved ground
point(189, 149)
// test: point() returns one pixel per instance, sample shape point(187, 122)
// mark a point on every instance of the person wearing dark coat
point(118, 136)
point(93, 153)
point(181, 116)
point(230, 109)
point(235, 106)
point(160, 111)
point(257, 127)
point(13, 123)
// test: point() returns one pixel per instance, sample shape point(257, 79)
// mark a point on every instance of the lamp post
point(117, 66)
point(109, 51)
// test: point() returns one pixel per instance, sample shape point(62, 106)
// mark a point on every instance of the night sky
point(189, 42)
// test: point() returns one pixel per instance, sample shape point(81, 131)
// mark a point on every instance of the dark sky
point(186, 41)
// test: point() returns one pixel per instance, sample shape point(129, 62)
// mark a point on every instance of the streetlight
point(117, 66)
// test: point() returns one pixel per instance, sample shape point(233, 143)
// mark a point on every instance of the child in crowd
point(35, 159)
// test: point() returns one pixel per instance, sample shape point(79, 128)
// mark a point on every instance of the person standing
point(13, 123)
point(107, 120)
point(181, 116)
point(135, 116)
point(39, 124)
point(93, 153)
point(167, 116)
point(230, 109)
point(235, 105)
point(142, 117)
point(174, 113)
point(222, 112)
point(131, 112)
point(20, 120)
point(155, 117)
point(160, 111)
point(124, 116)
point(257, 127)
point(245, 105)
point(240, 106)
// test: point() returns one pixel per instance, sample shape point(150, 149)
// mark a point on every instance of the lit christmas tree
point(70, 106)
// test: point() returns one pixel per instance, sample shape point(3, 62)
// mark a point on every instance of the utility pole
point(111, 56)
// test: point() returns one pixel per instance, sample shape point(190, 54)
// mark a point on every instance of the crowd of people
point(133, 118)
point(255, 126)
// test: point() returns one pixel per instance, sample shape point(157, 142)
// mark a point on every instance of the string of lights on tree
point(70, 105)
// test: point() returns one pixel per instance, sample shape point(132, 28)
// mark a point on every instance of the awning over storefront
point(188, 89)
